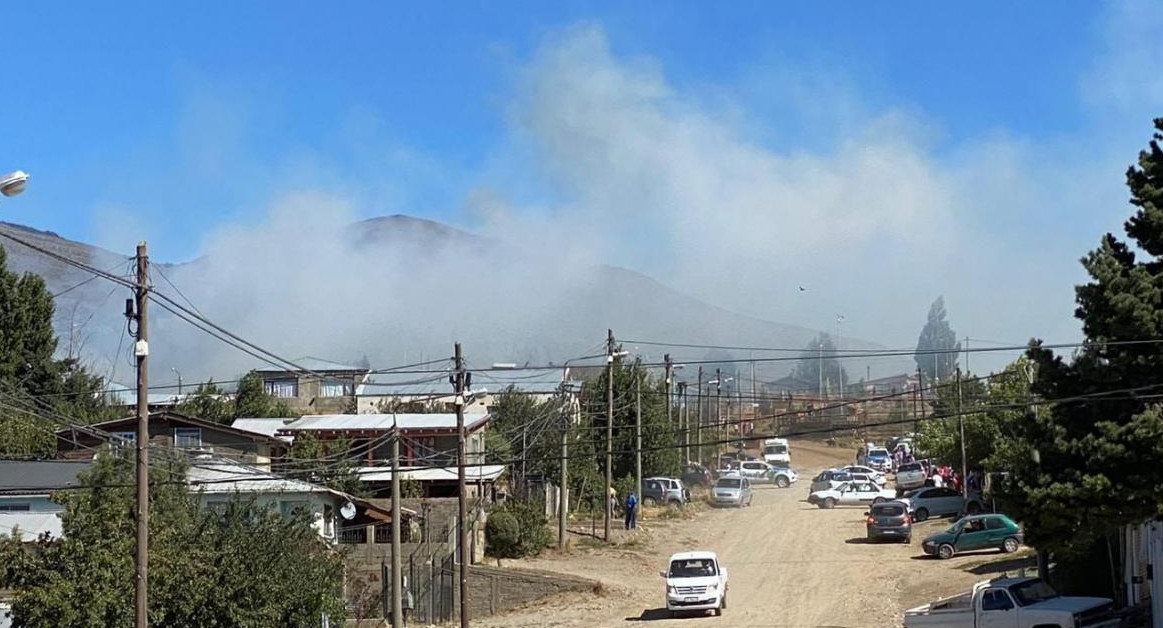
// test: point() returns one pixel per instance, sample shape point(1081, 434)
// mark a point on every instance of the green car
point(975, 533)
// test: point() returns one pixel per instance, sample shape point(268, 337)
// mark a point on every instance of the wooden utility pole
point(563, 493)
point(669, 367)
point(397, 569)
point(699, 419)
point(684, 420)
point(141, 352)
point(718, 410)
point(462, 499)
point(961, 429)
point(609, 432)
point(637, 435)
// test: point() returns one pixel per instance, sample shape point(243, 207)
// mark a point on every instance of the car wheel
point(781, 482)
point(879, 500)
point(829, 503)
point(946, 551)
point(1010, 545)
point(649, 502)
point(920, 514)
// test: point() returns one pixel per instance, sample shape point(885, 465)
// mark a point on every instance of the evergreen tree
point(819, 354)
point(935, 336)
point(1093, 455)
point(252, 400)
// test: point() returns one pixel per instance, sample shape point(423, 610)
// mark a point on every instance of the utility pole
point(821, 369)
point(397, 578)
point(141, 351)
point(685, 423)
point(609, 432)
point(462, 499)
point(718, 408)
point(699, 419)
point(669, 367)
point(638, 435)
point(967, 371)
point(563, 500)
point(839, 363)
point(961, 429)
point(919, 406)
point(754, 399)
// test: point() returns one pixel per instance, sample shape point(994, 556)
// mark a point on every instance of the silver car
point(939, 502)
point(731, 490)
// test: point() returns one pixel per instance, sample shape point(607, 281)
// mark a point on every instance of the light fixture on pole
point(13, 183)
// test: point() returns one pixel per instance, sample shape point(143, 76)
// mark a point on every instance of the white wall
point(324, 507)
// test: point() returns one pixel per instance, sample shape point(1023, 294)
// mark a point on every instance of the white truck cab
point(1012, 603)
point(695, 581)
point(777, 451)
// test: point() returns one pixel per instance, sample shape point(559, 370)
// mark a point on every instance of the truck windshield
point(1032, 592)
point(775, 450)
point(696, 568)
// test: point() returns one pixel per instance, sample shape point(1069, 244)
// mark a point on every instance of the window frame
point(188, 430)
point(1004, 595)
point(275, 386)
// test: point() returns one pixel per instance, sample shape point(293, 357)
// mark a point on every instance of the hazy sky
point(877, 154)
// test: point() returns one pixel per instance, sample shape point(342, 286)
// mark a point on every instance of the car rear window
point(888, 510)
point(915, 466)
point(727, 483)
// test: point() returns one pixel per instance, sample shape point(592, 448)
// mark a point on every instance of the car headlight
point(670, 589)
point(713, 587)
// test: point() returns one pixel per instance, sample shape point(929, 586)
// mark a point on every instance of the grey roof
point(544, 380)
point(261, 425)
point(384, 422)
point(39, 476)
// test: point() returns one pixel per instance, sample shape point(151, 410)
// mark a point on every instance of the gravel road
point(791, 565)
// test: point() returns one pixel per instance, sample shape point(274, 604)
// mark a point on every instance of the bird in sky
point(803, 289)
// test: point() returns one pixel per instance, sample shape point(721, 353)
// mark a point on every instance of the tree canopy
point(205, 566)
point(937, 336)
point(819, 354)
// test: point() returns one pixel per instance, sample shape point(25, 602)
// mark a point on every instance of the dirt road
point(791, 565)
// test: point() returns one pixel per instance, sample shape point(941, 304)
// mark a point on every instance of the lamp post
point(13, 183)
point(179, 374)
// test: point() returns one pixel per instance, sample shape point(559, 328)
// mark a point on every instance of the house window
point(336, 388)
point(328, 520)
point(188, 437)
point(292, 507)
point(15, 506)
point(282, 388)
point(124, 439)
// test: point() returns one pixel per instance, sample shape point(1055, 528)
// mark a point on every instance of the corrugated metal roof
point(262, 425)
point(483, 473)
point(384, 422)
point(30, 524)
point(223, 476)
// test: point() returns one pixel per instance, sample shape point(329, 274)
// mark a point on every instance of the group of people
point(902, 454)
point(629, 508)
point(947, 476)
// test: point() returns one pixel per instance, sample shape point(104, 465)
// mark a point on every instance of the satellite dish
point(348, 511)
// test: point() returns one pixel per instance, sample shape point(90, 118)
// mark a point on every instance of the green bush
point(517, 529)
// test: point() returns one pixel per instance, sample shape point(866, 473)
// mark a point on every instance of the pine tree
point(937, 336)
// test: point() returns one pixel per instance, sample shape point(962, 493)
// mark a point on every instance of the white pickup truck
point(695, 581)
point(1013, 603)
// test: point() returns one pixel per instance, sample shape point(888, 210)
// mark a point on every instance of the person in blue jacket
point(631, 511)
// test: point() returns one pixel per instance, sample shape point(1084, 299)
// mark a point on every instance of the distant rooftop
point(383, 422)
point(261, 425)
point(312, 363)
point(23, 477)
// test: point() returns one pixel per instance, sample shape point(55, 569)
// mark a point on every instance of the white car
point(865, 473)
point(911, 475)
point(851, 494)
point(695, 581)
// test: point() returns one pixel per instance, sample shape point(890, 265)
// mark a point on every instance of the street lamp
point(13, 183)
point(179, 374)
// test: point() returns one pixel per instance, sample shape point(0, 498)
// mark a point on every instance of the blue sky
point(174, 122)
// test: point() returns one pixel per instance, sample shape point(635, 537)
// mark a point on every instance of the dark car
point(889, 520)
point(975, 533)
point(694, 474)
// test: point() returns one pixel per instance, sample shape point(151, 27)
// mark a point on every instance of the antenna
point(347, 511)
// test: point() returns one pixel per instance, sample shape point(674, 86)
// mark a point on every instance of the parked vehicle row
point(667, 491)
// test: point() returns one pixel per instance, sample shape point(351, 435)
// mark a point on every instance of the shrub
point(517, 529)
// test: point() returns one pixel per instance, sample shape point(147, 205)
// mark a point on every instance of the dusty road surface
point(791, 565)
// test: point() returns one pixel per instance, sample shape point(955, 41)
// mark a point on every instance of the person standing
point(631, 511)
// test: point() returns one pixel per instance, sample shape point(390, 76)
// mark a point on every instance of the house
point(405, 392)
point(328, 387)
point(171, 429)
point(25, 486)
point(428, 447)
point(335, 514)
point(890, 385)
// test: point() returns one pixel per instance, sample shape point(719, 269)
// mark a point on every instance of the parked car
point(655, 492)
point(851, 494)
point(862, 472)
point(940, 502)
point(910, 476)
point(889, 520)
point(695, 474)
point(731, 490)
point(754, 470)
point(676, 493)
point(829, 479)
point(1013, 603)
point(879, 459)
point(695, 581)
point(975, 533)
point(782, 477)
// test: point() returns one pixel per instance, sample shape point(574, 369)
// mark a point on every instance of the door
point(996, 530)
point(997, 610)
point(946, 501)
point(858, 493)
point(973, 536)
